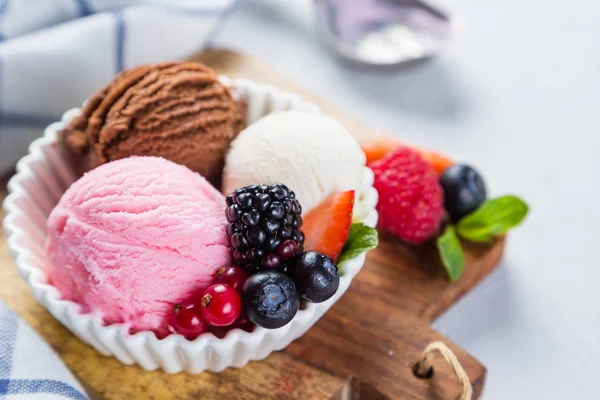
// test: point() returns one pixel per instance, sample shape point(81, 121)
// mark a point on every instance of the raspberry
point(411, 201)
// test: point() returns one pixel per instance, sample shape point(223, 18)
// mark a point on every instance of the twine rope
point(424, 367)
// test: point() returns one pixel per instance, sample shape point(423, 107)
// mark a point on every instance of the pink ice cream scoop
point(134, 237)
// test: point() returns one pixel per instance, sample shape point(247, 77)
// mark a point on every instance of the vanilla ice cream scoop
point(310, 153)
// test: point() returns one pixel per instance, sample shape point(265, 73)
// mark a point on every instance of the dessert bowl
point(44, 175)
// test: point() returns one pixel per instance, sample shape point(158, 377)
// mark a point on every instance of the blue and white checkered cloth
point(56, 53)
point(29, 369)
point(53, 55)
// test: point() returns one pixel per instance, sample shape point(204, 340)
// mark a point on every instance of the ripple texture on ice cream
point(179, 111)
point(132, 238)
point(310, 153)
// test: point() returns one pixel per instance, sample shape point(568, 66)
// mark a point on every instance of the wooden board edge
point(479, 270)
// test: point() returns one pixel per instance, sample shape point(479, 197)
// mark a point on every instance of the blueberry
point(315, 276)
point(270, 299)
point(464, 190)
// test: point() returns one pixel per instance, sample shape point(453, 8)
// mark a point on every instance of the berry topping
point(271, 226)
point(464, 190)
point(326, 227)
point(270, 261)
point(220, 305)
point(315, 276)
point(270, 299)
point(232, 276)
point(273, 243)
point(187, 320)
point(286, 232)
point(256, 237)
point(287, 249)
point(260, 218)
point(410, 197)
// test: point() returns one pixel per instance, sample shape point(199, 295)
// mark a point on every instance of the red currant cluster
point(219, 306)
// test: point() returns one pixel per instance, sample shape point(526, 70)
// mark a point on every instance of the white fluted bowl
point(43, 176)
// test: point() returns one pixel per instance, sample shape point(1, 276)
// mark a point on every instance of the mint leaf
point(494, 218)
point(451, 253)
point(361, 239)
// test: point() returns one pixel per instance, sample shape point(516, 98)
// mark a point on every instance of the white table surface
point(516, 94)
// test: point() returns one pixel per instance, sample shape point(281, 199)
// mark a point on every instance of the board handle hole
point(422, 373)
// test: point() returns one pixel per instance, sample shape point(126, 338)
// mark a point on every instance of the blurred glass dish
point(383, 32)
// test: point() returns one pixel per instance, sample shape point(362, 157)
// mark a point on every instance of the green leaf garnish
point(451, 253)
point(494, 218)
point(361, 239)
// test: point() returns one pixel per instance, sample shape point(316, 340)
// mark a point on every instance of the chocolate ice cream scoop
point(178, 111)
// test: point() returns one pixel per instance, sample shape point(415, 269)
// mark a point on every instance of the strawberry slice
point(326, 226)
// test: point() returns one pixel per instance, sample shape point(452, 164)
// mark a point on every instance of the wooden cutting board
point(375, 333)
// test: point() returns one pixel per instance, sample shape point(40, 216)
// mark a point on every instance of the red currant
point(287, 249)
point(232, 276)
point(221, 305)
point(187, 320)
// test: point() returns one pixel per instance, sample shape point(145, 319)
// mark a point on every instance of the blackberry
point(263, 222)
